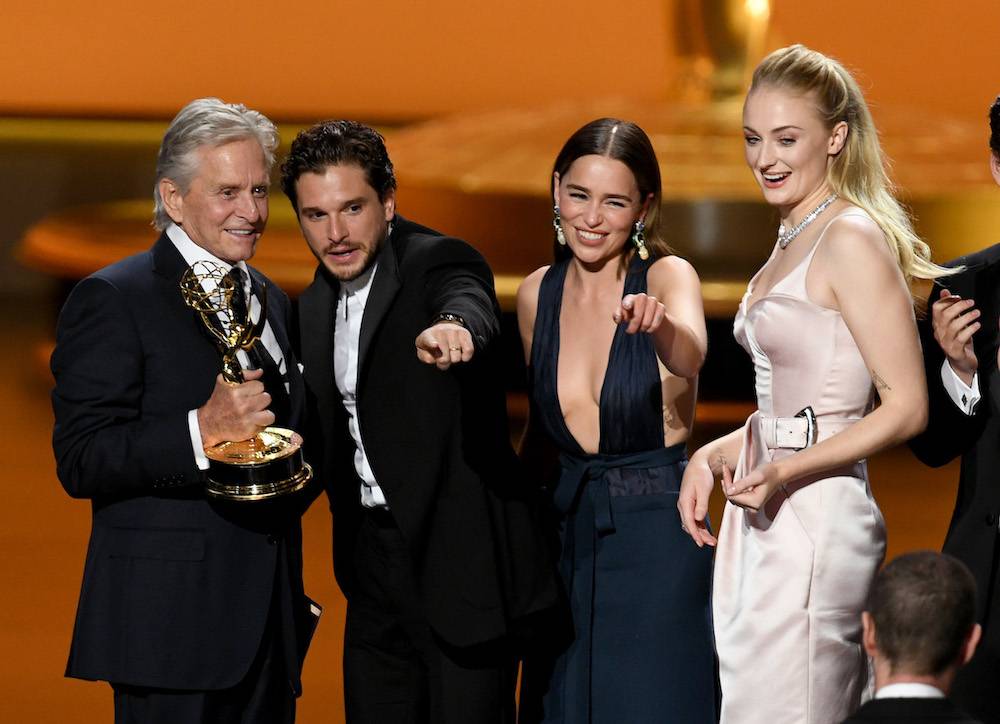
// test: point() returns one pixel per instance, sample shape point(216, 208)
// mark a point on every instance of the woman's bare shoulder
point(672, 272)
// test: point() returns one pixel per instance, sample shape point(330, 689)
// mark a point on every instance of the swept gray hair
point(206, 121)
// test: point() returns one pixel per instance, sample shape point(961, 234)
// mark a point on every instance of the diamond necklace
point(785, 237)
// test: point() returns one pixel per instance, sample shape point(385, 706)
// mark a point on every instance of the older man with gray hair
point(191, 608)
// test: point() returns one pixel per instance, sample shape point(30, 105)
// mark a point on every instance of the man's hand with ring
point(445, 344)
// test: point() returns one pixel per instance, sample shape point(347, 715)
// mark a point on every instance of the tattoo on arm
point(721, 462)
point(880, 384)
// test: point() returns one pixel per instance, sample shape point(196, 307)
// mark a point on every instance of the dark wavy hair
point(622, 141)
point(337, 143)
point(995, 127)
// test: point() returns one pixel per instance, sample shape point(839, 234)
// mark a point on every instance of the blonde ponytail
point(858, 173)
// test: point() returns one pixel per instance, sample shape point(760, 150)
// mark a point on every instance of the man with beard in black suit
point(435, 546)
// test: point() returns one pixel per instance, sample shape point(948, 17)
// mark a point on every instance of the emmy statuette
point(270, 463)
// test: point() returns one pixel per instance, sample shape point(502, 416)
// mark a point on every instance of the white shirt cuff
point(199, 450)
point(964, 396)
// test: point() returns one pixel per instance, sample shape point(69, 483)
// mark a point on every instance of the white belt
point(801, 431)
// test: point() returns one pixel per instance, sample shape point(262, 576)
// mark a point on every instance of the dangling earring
point(557, 225)
point(639, 239)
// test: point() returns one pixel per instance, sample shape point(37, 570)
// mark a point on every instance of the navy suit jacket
point(176, 588)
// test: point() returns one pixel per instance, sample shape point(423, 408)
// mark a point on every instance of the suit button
point(272, 539)
point(991, 519)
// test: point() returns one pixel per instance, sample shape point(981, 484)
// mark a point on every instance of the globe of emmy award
point(270, 463)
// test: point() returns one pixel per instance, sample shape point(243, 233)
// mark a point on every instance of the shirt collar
point(909, 690)
point(361, 283)
point(193, 253)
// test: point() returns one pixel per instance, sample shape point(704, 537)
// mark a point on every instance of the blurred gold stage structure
point(485, 176)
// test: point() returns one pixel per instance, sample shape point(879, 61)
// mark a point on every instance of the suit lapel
point(987, 296)
point(317, 310)
point(167, 261)
point(385, 285)
point(169, 266)
point(277, 321)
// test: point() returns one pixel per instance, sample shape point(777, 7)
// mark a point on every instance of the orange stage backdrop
point(404, 59)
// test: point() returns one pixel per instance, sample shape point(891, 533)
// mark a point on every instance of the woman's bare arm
point(672, 312)
point(876, 305)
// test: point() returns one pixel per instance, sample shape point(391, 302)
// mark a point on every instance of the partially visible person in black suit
point(192, 610)
point(435, 545)
point(960, 341)
point(919, 630)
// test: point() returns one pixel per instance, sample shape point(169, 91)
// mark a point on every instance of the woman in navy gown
point(614, 336)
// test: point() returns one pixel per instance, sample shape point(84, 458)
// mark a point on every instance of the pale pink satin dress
point(791, 580)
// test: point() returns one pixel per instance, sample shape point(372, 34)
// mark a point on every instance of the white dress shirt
point(909, 690)
point(963, 395)
point(193, 253)
point(346, 340)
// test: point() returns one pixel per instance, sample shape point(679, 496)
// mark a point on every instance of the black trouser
point(396, 670)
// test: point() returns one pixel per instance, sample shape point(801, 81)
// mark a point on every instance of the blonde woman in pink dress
point(829, 323)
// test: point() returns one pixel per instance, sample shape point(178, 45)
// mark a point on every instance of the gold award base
point(268, 465)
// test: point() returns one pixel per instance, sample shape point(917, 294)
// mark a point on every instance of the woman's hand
point(692, 503)
point(641, 312)
point(754, 490)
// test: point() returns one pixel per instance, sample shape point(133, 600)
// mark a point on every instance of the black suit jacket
point(438, 442)
point(176, 589)
point(972, 535)
point(909, 711)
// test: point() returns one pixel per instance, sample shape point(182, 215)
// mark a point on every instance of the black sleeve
point(104, 442)
point(459, 281)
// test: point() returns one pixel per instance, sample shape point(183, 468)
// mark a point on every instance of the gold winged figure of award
point(270, 463)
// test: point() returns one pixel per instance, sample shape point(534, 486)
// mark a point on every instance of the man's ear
point(868, 633)
point(173, 200)
point(389, 204)
point(975, 634)
point(995, 167)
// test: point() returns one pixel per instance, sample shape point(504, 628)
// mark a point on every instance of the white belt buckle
point(812, 430)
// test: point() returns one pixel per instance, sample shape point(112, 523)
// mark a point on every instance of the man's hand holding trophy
point(266, 461)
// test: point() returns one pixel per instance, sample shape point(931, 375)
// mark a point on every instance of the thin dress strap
point(794, 282)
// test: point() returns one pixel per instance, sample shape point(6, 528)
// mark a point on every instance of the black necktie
point(260, 358)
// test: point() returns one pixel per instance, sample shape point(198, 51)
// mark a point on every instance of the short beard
point(352, 275)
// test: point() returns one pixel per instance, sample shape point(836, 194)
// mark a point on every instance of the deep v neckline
point(557, 346)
